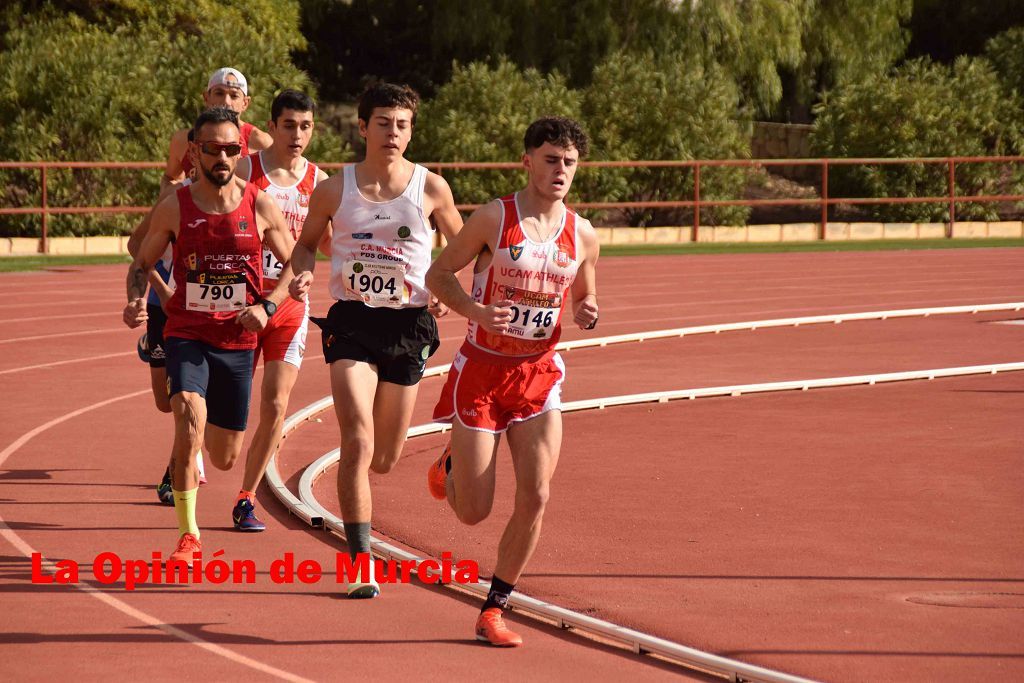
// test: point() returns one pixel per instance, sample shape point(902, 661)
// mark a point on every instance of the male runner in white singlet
point(379, 333)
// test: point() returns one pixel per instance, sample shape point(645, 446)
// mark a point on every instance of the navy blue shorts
point(396, 340)
point(155, 336)
point(223, 377)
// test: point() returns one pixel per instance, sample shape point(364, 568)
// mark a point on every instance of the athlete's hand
point(585, 315)
point(496, 317)
point(300, 284)
point(252, 318)
point(135, 313)
point(436, 308)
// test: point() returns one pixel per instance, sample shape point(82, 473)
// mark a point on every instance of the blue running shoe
point(163, 491)
point(244, 516)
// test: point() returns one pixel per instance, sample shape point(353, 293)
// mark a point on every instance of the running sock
point(185, 506)
point(498, 595)
point(242, 493)
point(357, 535)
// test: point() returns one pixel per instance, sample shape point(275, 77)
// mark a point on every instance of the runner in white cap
point(226, 87)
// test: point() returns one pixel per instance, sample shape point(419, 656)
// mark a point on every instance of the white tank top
point(380, 251)
point(293, 200)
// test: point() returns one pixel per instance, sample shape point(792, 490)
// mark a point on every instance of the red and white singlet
point(380, 251)
point(216, 272)
point(244, 133)
point(293, 201)
point(536, 277)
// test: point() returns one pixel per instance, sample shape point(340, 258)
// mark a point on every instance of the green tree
point(1006, 55)
point(664, 107)
point(481, 115)
point(80, 86)
point(922, 109)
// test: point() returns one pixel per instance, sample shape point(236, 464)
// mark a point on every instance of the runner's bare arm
point(259, 140)
point(443, 213)
point(325, 241)
point(447, 219)
point(243, 169)
point(163, 225)
point(322, 205)
point(174, 173)
point(471, 241)
point(584, 287)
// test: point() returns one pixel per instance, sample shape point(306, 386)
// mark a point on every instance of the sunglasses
point(232, 149)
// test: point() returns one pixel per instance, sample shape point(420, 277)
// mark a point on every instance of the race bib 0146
point(534, 314)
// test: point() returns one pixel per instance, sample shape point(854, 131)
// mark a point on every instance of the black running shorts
point(396, 340)
point(155, 336)
point(223, 377)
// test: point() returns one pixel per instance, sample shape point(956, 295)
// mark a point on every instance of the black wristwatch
point(269, 306)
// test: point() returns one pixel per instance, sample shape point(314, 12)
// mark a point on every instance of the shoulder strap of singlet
point(416, 184)
point(350, 183)
point(256, 171)
point(511, 233)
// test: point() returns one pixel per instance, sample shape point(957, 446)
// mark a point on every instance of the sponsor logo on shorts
point(515, 251)
point(329, 340)
point(362, 235)
point(425, 353)
point(469, 412)
point(404, 232)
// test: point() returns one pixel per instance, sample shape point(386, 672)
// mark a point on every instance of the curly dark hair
point(558, 130)
point(387, 95)
point(215, 115)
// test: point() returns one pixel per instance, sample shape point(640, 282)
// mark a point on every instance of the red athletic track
point(787, 530)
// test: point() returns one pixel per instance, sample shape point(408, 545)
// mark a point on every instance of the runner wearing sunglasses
point(218, 226)
point(225, 87)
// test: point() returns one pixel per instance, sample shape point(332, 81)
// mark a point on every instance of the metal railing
point(824, 200)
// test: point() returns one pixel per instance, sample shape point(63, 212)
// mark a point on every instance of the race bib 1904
point(214, 292)
point(534, 314)
point(376, 284)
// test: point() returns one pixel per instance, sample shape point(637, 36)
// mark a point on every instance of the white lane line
point(640, 642)
point(27, 550)
point(10, 321)
point(66, 362)
point(77, 333)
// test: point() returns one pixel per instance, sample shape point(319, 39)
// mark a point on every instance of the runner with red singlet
point(534, 258)
point(218, 225)
point(226, 87)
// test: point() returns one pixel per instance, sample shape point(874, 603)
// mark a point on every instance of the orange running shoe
point(437, 475)
point(187, 545)
point(490, 628)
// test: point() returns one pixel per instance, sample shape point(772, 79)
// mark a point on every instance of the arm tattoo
point(136, 283)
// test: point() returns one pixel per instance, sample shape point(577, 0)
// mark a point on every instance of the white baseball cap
point(229, 77)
